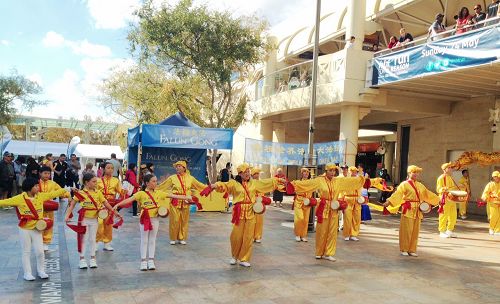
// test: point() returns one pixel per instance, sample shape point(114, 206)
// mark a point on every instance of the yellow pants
point(178, 223)
point(104, 232)
point(408, 234)
point(462, 208)
point(326, 234)
point(495, 217)
point(352, 220)
point(448, 219)
point(47, 234)
point(301, 221)
point(259, 226)
point(242, 240)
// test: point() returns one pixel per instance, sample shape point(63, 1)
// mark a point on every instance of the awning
point(36, 148)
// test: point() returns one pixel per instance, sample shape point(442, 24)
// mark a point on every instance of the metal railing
point(287, 79)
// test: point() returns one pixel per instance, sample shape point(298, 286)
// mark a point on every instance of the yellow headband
point(329, 167)
point(445, 166)
point(242, 168)
point(180, 162)
point(495, 174)
point(255, 171)
point(414, 169)
point(304, 170)
point(353, 169)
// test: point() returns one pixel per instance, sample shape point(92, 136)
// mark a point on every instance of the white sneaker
point(317, 257)
point(304, 239)
point(83, 264)
point(404, 253)
point(353, 238)
point(491, 232)
point(144, 265)
point(92, 263)
point(463, 217)
point(245, 264)
point(28, 277)
point(107, 247)
point(183, 242)
point(347, 239)
point(45, 247)
point(443, 235)
point(172, 242)
point(43, 275)
point(151, 265)
point(413, 254)
point(297, 238)
point(329, 258)
point(451, 234)
point(232, 261)
point(275, 205)
point(258, 241)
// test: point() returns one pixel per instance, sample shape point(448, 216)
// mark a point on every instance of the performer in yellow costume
point(180, 184)
point(491, 195)
point(45, 185)
point(111, 188)
point(259, 218)
point(448, 208)
point(244, 193)
point(300, 211)
point(329, 188)
point(352, 214)
point(410, 194)
point(465, 184)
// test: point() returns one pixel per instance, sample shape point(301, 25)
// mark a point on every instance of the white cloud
point(5, 42)
point(97, 69)
point(36, 78)
point(83, 47)
point(112, 14)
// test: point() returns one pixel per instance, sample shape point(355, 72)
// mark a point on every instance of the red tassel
point(196, 201)
point(342, 205)
point(266, 200)
point(406, 207)
point(118, 224)
point(313, 202)
point(226, 195)
point(175, 202)
point(206, 191)
point(110, 218)
point(385, 212)
point(481, 203)
point(145, 220)
point(319, 210)
point(290, 189)
point(367, 184)
point(236, 214)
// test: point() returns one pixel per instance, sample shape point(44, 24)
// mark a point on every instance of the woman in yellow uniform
point(301, 211)
point(491, 195)
point(410, 194)
point(329, 188)
point(111, 188)
point(448, 210)
point(29, 208)
point(352, 213)
point(149, 200)
point(244, 193)
point(180, 184)
point(259, 218)
point(91, 201)
point(45, 185)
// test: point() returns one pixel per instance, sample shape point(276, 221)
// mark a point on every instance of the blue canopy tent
point(175, 138)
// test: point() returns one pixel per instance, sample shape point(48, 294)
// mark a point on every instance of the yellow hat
point(329, 167)
point(414, 169)
point(445, 166)
point(353, 169)
point(255, 171)
point(304, 170)
point(243, 167)
point(180, 162)
point(495, 174)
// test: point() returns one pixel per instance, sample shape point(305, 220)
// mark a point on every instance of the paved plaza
point(462, 270)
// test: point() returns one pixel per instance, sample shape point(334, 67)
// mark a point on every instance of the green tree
point(210, 48)
point(14, 88)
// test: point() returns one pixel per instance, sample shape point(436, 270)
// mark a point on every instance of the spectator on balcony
point(350, 43)
point(464, 19)
point(493, 9)
point(478, 17)
point(404, 38)
point(393, 41)
point(436, 27)
point(375, 47)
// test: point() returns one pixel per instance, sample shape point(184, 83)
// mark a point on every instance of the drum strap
point(145, 219)
point(23, 219)
point(407, 204)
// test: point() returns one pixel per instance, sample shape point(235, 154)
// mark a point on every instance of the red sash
point(23, 219)
point(320, 209)
point(145, 219)
point(407, 204)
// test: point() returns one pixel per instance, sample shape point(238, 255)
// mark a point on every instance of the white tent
point(35, 148)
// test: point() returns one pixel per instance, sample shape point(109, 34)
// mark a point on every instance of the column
point(266, 133)
point(356, 15)
point(389, 157)
point(496, 135)
point(270, 67)
point(349, 126)
point(278, 136)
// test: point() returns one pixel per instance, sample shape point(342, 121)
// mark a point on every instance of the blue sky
point(69, 46)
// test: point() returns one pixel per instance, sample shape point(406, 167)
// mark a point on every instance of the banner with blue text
point(267, 152)
point(468, 49)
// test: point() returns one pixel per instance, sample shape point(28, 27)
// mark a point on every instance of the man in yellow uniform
point(181, 184)
point(329, 188)
point(47, 185)
point(352, 214)
point(111, 188)
point(410, 194)
point(464, 184)
point(259, 218)
point(448, 207)
point(491, 195)
point(300, 211)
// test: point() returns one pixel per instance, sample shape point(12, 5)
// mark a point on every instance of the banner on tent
point(267, 152)
point(186, 137)
point(460, 51)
